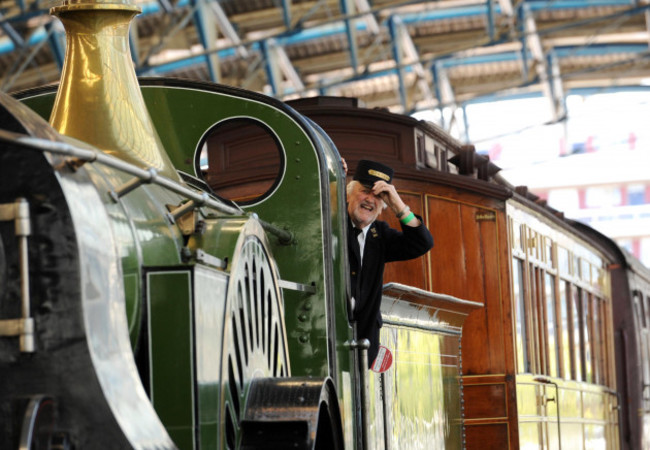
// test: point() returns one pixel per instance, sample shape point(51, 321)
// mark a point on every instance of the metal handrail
point(144, 176)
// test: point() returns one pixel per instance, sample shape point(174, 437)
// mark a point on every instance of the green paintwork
point(183, 116)
point(209, 290)
point(145, 236)
point(41, 103)
point(186, 323)
point(171, 354)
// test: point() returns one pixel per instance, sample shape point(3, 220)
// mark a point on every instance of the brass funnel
point(99, 99)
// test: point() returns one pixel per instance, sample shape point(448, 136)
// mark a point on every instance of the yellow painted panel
point(593, 405)
point(595, 437)
point(529, 436)
point(527, 400)
point(421, 389)
point(570, 404)
point(572, 436)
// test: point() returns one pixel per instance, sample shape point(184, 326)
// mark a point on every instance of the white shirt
point(362, 242)
point(361, 238)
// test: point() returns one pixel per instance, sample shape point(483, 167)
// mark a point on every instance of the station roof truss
point(406, 56)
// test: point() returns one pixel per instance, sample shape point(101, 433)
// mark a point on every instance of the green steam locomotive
point(139, 309)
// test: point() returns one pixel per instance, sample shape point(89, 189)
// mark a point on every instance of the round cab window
point(241, 160)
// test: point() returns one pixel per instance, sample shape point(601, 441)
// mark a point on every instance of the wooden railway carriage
point(632, 328)
point(631, 318)
point(538, 359)
point(631, 290)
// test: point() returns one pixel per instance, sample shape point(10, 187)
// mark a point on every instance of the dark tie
point(357, 232)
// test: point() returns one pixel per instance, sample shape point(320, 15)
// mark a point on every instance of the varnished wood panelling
point(449, 271)
point(466, 263)
point(492, 436)
point(231, 148)
point(484, 401)
point(375, 145)
point(366, 136)
point(413, 272)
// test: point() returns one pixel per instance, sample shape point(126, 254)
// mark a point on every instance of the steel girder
point(393, 53)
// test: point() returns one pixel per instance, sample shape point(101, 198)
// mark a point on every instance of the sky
point(519, 133)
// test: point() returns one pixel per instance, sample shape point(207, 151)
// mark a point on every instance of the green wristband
point(407, 219)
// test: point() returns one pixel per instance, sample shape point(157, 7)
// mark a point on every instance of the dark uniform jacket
point(383, 244)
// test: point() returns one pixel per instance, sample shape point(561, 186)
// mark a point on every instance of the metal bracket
point(18, 211)
point(185, 214)
point(200, 256)
point(19, 327)
point(210, 260)
point(133, 184)
point(547, 381)
point(362, 392)
point(292, 285)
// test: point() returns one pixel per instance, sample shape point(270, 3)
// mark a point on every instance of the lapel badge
point(373, 230)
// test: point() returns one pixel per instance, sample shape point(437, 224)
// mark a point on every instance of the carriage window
point(638, 309)
point(532, 243)
point(606, 337)
point(585, 271)
point(421, 151)
point(637, 298)
point(444, 164)
point(642, 312)
point(548, 244)
point(241, 160)
point(596, 341)
point(523, 363)
point(601, 278)
point(578, 336)
point(563, 260)
point(587, 329)
point(515, 232)
point(537, 309)
point(565, 329)
point(433, 156)
point(576, 333)
point(645, 345)
point(551, 329)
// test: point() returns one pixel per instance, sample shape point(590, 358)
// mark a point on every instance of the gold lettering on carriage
point(485, 216)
